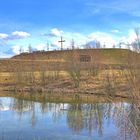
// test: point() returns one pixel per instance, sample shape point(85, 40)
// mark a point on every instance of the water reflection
point(93, 117)
point(101, 120)
point(85, 116)
point(21, 106)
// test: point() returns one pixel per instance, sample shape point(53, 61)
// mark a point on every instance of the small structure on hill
point(85, 58)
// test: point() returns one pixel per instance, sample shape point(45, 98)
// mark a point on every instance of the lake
point(31, 120)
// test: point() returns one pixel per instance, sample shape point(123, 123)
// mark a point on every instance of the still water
point(29, 120)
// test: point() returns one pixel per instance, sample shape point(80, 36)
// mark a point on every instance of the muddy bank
point(62, 94)
point(61, 97)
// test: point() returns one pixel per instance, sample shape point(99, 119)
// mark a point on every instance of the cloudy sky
point(41, 22)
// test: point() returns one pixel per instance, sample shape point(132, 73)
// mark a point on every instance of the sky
point(42, 22)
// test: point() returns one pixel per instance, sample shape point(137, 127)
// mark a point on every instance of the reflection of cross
point(61, 41)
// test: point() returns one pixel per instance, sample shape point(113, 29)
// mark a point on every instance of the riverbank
point(110, 83)
point(62, 97)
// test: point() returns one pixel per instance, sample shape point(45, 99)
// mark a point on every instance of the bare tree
point(21, 49)
point(30, 49)
point(72, 44)
point(98, 44)
point(133, 75)
point(74, 68)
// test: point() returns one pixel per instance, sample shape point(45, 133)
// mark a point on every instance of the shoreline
point(64, 95)
point(65, 98)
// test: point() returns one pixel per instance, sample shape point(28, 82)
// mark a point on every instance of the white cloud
point(51, 46)
point(16, 49)
point(55, 32)
point(104, 38)
point(3, 36)
point(20, 34)
point(14, 35)
point(130, 38)
point(41, 46)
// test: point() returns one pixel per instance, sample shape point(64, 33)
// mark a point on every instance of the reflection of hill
point(4, 108)
point(4, 104)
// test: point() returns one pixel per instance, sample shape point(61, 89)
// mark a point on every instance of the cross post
point(61, 41)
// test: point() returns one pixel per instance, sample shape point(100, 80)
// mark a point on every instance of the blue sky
point(36, 22)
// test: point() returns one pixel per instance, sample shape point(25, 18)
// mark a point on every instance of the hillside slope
point(113, 55)
point(59, 59)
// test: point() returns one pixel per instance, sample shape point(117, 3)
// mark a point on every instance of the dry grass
point(88, 84)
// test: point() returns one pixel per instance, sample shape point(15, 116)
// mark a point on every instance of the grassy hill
point(113, 54)
point(59, 59)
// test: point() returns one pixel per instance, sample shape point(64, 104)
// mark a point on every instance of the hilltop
point(105, 53)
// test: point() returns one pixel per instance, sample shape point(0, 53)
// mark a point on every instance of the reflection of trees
point(89, 117)
point(44, 107)
point(85, 116)
point(134, 121)
point(124, 117)
point(22, 106)
point(92, 116)
point(75, 117)
point(57, 112)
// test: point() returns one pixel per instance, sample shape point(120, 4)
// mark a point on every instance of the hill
point(113, 54)
point(61, 58)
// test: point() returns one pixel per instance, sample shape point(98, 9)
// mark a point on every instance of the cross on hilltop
point(61, 41)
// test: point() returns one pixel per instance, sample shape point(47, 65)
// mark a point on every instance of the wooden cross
point(61, 41)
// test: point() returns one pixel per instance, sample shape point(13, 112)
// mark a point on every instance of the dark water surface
point(29, 120)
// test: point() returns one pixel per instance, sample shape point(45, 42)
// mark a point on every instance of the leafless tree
point(30, 49)
point(74, 68)
point(133, 72)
